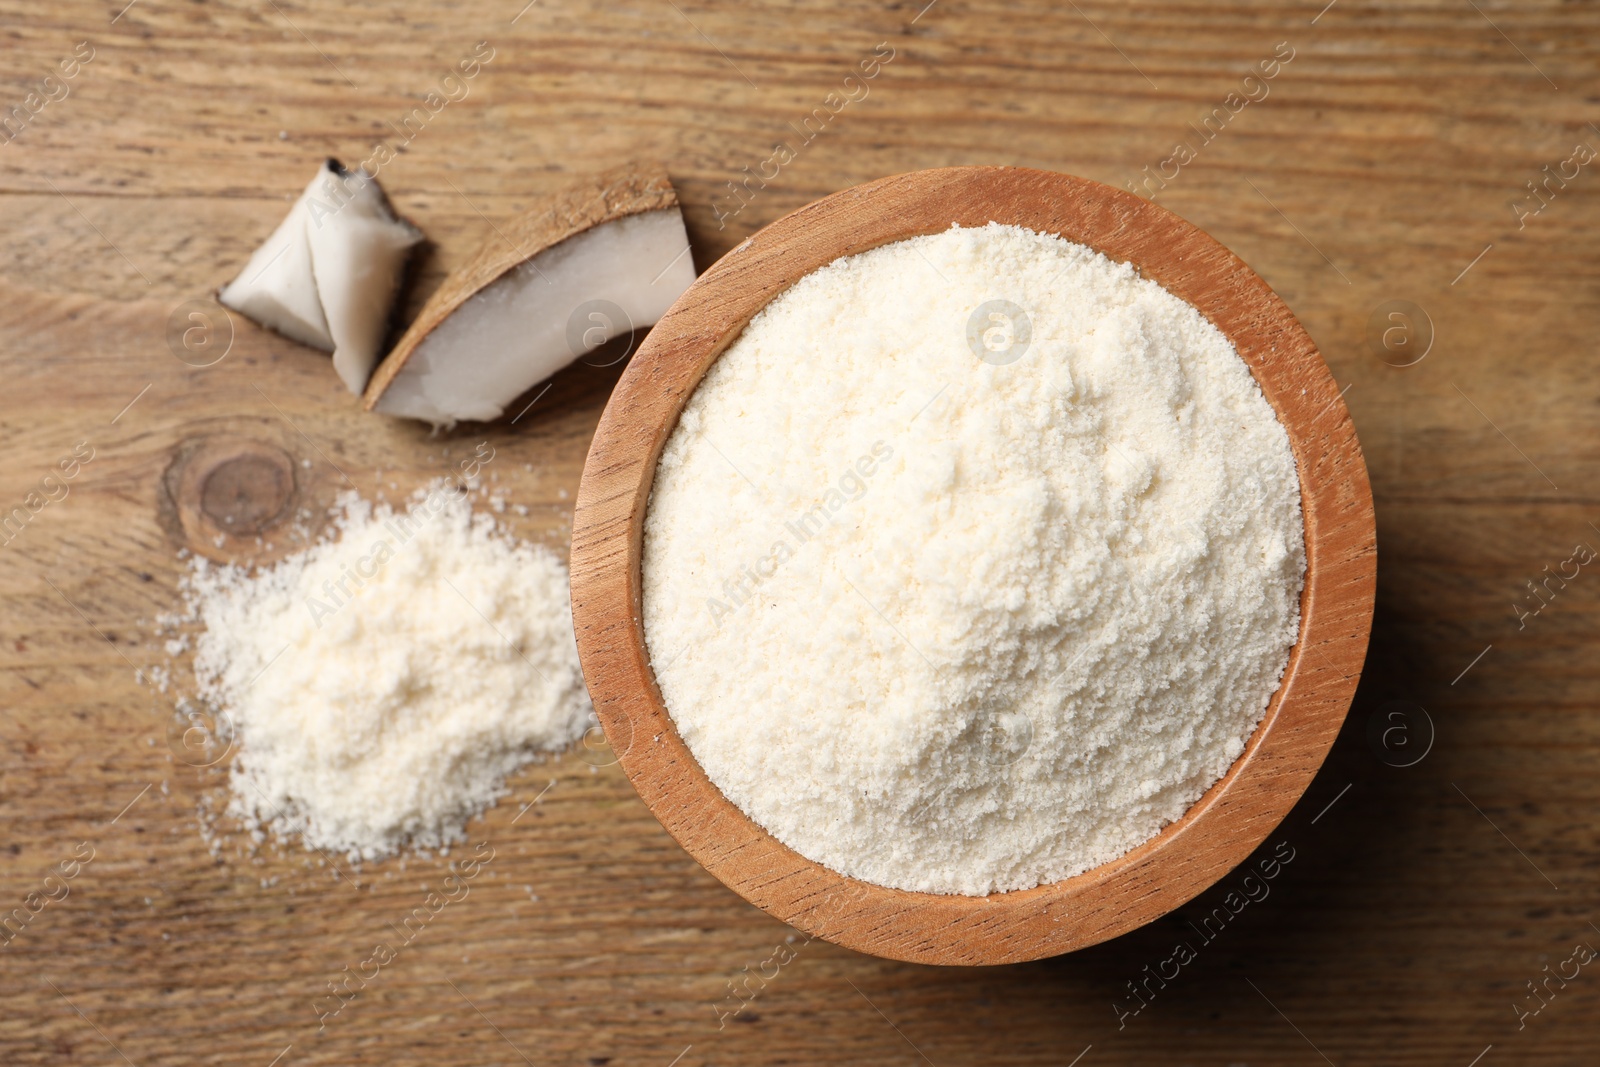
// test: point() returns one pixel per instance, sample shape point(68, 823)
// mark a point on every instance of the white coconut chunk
point(616, 278)
point(359, 250)
point(328, 276)
point(277, 287)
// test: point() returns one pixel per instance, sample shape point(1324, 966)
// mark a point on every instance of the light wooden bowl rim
point(1227, 823)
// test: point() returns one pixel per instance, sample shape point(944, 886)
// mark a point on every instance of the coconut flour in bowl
point(972, 563)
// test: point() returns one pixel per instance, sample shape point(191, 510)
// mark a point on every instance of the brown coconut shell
point(629, 189)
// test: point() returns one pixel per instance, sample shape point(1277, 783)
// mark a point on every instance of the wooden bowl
point(1226, 824)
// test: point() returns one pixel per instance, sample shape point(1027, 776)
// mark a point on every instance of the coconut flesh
point(277, 289)
point(328, 275)
point(520, 329)
point(603, 257)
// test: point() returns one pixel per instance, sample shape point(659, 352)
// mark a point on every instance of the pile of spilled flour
point(973, 562)
point(381, 684)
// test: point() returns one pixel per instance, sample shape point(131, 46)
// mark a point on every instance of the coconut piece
point(277, 287)
point(359, 249)
point(328, 275)
point(602, 257)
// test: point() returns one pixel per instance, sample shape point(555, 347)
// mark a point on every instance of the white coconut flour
point(973, 562)
point(380, 685)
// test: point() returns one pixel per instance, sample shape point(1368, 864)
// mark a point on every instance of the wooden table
point(1380, 164)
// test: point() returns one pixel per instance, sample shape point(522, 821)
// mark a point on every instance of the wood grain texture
point(1379, 168)
point(1227, 823)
